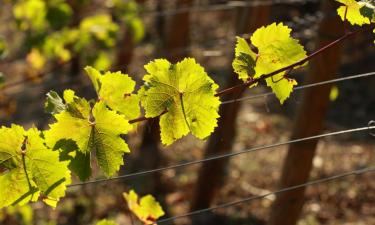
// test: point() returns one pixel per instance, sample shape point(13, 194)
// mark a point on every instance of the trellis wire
point(222, 7)
point(308, 21)
point(302, 87)
point(227, 155)
point(257, 197)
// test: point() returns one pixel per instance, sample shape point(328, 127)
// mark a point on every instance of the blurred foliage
point(106, 222)
point(54, 32)
point(128, 13)
point(20, 214)
point(2, 79)
point(2, 47)
point(334, 94)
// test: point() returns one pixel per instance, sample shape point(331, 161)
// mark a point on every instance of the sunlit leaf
point(31, 168)
point(116, 90)
point(276, 49)
point(147, 209)
point(186, 93)
point(93, 129)
point(351, 12)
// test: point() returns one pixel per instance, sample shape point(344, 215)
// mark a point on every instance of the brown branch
point(290, 67)
point(143, 118)
point(37, 76)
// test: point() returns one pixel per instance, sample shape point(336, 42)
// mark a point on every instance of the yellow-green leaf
point(276, 50)
point(351, 10)
point(244, 62)
point(186, 93)
point(147, 209)
point(92, 129)
point(31, 168)
point(116, 90)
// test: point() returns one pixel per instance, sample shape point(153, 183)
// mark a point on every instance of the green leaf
point(79, 163)
point(97, 129)
point(116, 90)
point(106, 222)
point(49, 174)
point(368, 10)
point(186, 92)
point(147, 209)
point(276, 50)
point(54, 104)
point(31, 168)
point(351, 11)
point(15, 188)
point(244, 62)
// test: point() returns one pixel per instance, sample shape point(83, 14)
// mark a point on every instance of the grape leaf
point(368, 10)
point(276, 50)
point(54, 104)
point(186, 92)
point(115, 89)
point(79, 163)
point(351, 10)
point(31, 168)
point(106, 222)
point(244, 61)
point(92, 129)
point(147, 209)
point(15, 188)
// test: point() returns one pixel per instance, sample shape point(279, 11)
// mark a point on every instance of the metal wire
point(227, 155)
point(222, 7)
point(302, 87)
point(291, 188)
point(308, 21)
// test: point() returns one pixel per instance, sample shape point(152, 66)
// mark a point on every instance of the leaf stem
point(23, 154)
point(143, 118)
point(183, 110)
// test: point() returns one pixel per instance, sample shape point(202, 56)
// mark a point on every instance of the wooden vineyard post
point(125, 53)
point(177, 33)
point(75, 61)
point(149, 150)
point(126, 49)
point(310, 121)
point(212, 174)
